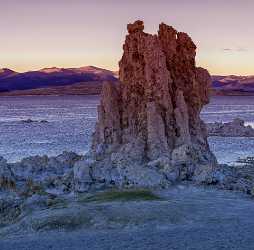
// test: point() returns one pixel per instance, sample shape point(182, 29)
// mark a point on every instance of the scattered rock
point(28, 121)
point(237, 177)
point(82, 175)
point(40, 175)
point(10, 209)
point(236, 128)
point(7, 179)
point(34, 121)
point(44, 121)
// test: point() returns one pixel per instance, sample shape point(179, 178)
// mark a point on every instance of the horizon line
point(103, 68)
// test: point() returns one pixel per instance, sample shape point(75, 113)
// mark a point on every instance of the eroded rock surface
point(149, 124)
point(39, 175)
point(236, 128)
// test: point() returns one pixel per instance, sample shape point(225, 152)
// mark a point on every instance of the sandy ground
point(187, 218)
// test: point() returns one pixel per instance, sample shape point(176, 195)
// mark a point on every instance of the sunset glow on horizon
point(40, 34)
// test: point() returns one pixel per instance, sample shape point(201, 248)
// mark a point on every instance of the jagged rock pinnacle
point(149, 130)
point(136, 26)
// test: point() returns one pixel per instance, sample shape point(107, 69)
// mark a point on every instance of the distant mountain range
point(233, 85)
point(89, 79)
point(52, 77)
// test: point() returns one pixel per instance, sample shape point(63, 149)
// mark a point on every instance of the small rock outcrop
point(236, 128)
point(149, 131)
point(39, 174)
point(34, 121)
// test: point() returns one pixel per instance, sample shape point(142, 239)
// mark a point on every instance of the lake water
point(71, 121)
point(224, 109)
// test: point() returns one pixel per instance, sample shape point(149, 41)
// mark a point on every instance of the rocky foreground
point(59, 193)
point(184, 217)
point(149, 138)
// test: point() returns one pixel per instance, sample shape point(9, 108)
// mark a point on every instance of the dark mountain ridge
point(48, 77)
point(232, 83)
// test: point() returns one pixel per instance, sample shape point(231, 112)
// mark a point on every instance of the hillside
point(233, 85)
point(51, 77)
point(82, 88)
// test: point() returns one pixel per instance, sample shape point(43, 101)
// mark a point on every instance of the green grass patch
point(122, 195)
point(57, 203)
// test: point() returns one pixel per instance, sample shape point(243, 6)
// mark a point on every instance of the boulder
point(82, 175)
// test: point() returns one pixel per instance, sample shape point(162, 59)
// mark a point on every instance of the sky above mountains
point(37, 34)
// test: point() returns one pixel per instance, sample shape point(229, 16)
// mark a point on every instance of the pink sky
point(64, 33)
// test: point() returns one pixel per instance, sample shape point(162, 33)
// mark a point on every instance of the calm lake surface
point(71, 121)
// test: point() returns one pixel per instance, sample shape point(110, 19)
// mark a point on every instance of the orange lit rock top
point(136, 26)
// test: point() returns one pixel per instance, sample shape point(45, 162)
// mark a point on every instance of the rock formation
point(39, 174)
point(236, 128)
point(149, 131)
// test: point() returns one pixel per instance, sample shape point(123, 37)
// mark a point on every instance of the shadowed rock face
point(151, 118)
